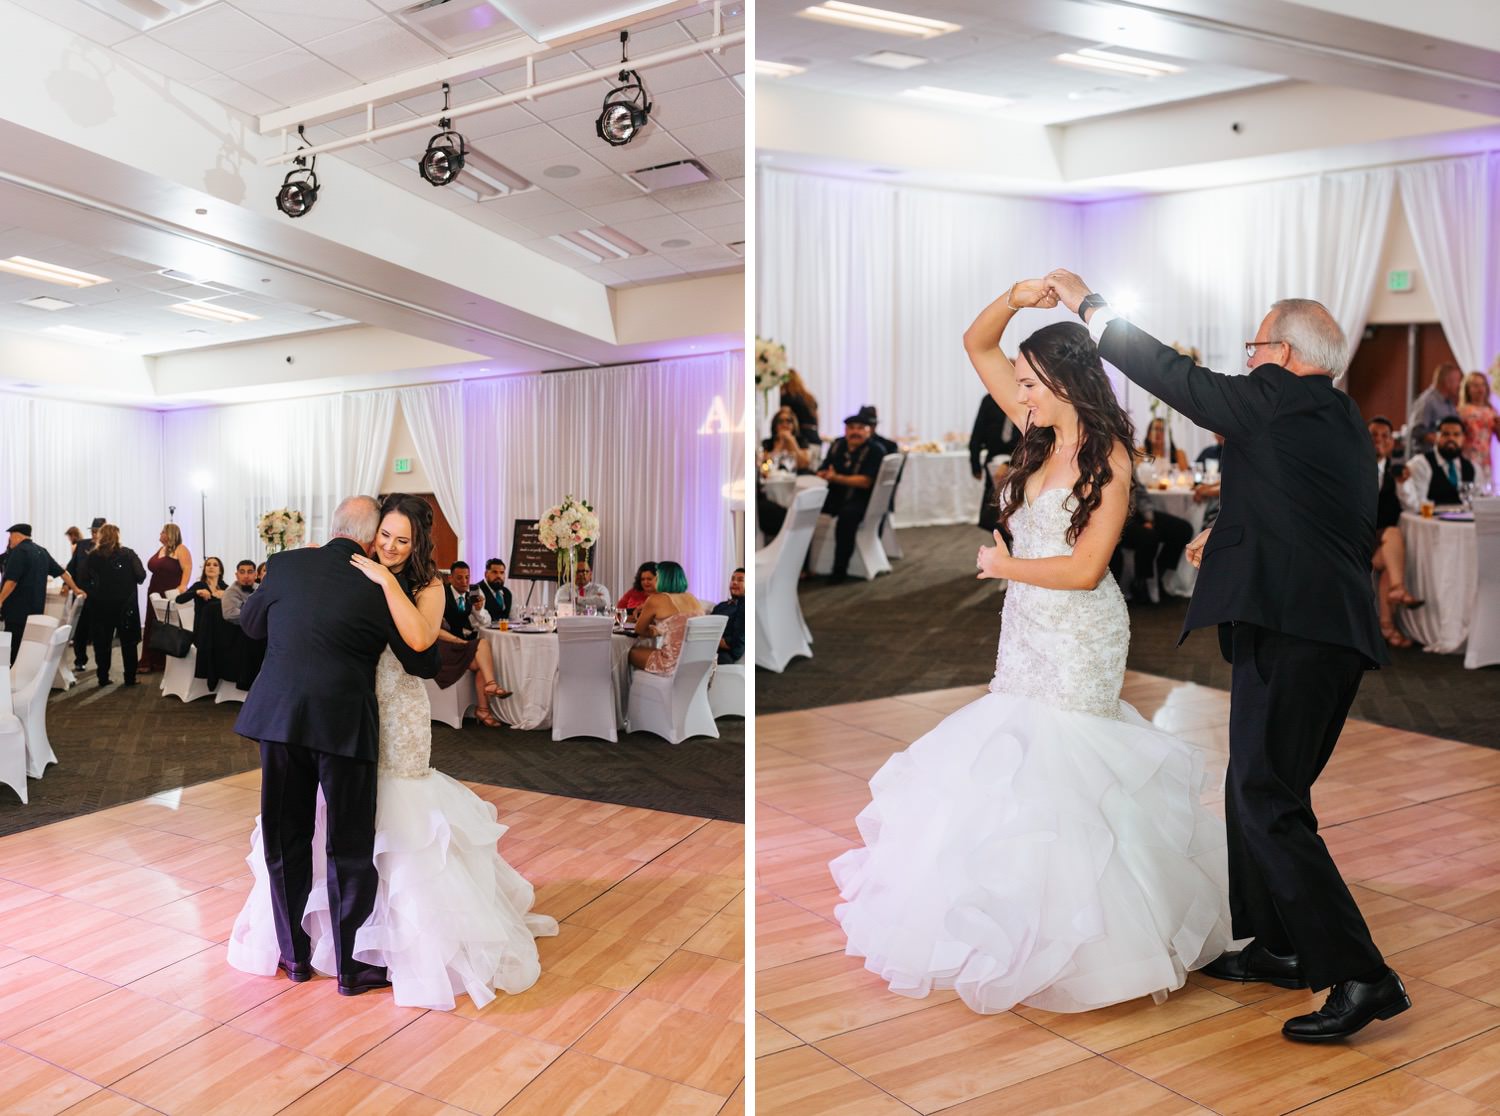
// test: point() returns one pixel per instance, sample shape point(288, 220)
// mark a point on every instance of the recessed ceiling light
point(78, 333)
point(50, 272)
point(562, 170)
point(777, 69)
point(196, 332)
point(614, 243)
point(498, 175)
point(1111, 62)
point(213, 312)
point(47, 302)
point(957, 98)
point(586, 253)
point(893, 60)
point(329, 315)
point(878, 19)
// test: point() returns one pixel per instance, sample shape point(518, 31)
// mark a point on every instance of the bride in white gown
point(451, 915)
point(1044, 845)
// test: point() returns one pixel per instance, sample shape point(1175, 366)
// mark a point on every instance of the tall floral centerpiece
point(771, 371)
point(281, 530)
point(566, 529)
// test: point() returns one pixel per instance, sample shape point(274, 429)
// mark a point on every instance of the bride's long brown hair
point(420, 568)
point(1066, 360)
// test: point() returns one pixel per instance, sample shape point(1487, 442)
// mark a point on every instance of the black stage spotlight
point(626, 109)
point(299, 189)
point(444, 158)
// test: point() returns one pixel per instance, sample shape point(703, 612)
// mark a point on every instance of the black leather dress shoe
point(366, 980)
point(1351, 1004)
point(296, 971)
point(1257, 965)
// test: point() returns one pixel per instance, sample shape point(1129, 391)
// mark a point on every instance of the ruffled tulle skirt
point(1020, 853)
point(451, 915)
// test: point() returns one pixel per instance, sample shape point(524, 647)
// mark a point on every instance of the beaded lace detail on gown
point(405, 720)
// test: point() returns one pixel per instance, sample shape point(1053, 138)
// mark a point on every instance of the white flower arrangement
point(570, 524)
point(281, 529)
point(771, 368)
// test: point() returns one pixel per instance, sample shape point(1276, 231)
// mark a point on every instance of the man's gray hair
point(356, 518)
point(1313, 335)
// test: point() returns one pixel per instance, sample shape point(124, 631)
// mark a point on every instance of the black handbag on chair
point(171, 638)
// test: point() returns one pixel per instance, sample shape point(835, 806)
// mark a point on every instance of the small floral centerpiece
point(281, 530)
point(771, 369)
point(567, 528)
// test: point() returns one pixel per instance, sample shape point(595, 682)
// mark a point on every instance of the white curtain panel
point(435, 417)
point(15, 459)
point(1453, 208)
point(368, 418)
point(658, 449)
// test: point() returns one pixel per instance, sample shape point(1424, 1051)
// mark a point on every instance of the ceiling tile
point(645, 267)
point(549, 224)
point(701, 196)
point(694, 104)
point(726, 164)
point(714, 255)
point(661, 37)
point(589, 193)
point(726, 234)
point(653, 230)
point(715, 135)
point(633, 209)
point(716, 215)
point(495, 122)
point(371, 51)
point(293, 75)
point(651, 149)
point(518, 207)
point(676, 75)
point(303, 22)
point(236, 95)
point(77, 16)
point(222, 37)
point(162, 59)
point(496, 222)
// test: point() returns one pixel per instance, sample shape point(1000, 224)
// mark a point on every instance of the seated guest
point(665, 614)
point(208, 618)
point(787, 438)
point(235, 596)
point(209, 586)
point(850, 469)
point(456, 595)
point(463, 652)
point(115, 572)
point(497, 596)
point(260, 573)
point(1389, 559)
point(643, 586)
point(732, 642)
point(994, 435)
point(1160, 449)
point(589, 591)
point(1157, 539)
point(23, 593)
point(804, 405)
point(1436, 474)
point(1214, 452)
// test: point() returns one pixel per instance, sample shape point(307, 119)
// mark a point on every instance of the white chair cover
point(583, 694)
point(869, 560)
point(780, 632)
point(177, 678)
point(228, 691)
point(451, 705)
point(675, 706)
point(64, 678)
point(1484, 631)
point(12, 733)
point(34, 642)
point(31, 704)
point(726, 690)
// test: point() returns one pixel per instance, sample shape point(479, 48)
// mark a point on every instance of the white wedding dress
point(451, 915)
point(1045, 844)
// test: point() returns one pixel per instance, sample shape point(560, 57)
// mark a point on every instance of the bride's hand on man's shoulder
point(370, 568)
point(991, 558)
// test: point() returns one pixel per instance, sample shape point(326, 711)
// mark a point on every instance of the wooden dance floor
point(116, 998)
point(1413, 822)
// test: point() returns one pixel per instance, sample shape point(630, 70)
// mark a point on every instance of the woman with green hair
point(665, 614)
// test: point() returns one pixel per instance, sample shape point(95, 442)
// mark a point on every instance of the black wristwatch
point(1090, 301)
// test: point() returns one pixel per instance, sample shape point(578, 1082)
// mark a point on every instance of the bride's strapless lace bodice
point(1065, 647)
point(405, 720)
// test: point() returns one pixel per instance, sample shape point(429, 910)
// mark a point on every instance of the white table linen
point(937, 490)
point(1442, 568)
point(526, 665)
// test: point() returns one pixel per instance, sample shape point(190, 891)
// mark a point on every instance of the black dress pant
point(1158, 547)
point(107, 620)
point(1288, 702)
point(81, 638)
point(290, 778)
point(847, 506)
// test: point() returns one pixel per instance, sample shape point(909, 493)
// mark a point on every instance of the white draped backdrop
point(655, 447)
point(870, 286)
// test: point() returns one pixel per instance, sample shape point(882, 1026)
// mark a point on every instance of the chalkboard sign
point(529, 559)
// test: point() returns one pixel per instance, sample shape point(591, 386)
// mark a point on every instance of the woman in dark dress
point(114, 571)
point(207, 593)
point(804, 405)
point(171, 567)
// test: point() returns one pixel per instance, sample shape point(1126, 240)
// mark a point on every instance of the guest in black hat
point(850, 470)
point(24, 590)
point(77, 564)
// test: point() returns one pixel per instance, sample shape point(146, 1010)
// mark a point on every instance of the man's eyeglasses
point(1250, 347)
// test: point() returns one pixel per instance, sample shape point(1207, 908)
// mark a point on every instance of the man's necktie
point(1453, 472)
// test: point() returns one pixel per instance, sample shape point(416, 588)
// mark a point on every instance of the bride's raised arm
point(417, 623)
point(982, 343)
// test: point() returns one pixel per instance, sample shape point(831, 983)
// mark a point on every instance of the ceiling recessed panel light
point(78, 333)
point(588, 254)
point(878, 19)
point(47, 302)
point(1110, 62)
point(893, 59)
point(50, 272)
point(777, 69)
point(212, 312)
point(956, 98)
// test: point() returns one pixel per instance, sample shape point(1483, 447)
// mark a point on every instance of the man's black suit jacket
point(325, 624)
point(496, 603)
point(1291, 548)
point(1440, 490)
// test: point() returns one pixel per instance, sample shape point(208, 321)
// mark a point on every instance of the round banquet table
point(780, 488)
point(1179, 502)
point(1442, 568)
point(526, 665)
point(937, 490)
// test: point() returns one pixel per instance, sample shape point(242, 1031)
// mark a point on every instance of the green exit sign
point(403, 464)
point(1399, 281)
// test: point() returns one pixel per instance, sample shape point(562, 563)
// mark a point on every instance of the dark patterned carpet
point(120, 745)
point(930, 625)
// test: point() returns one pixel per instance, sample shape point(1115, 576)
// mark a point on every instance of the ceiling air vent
point(685, 172)
point(454, 26)
point(545, 20)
